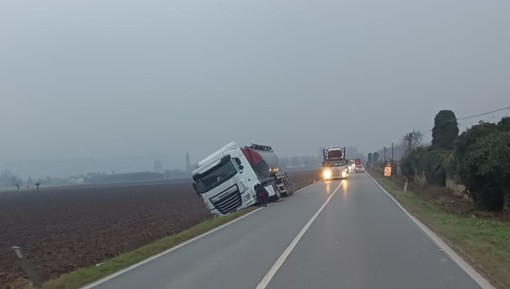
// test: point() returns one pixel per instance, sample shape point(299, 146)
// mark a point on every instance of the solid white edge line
point(109, 277)
point(479, 279)
point(276, 266)
point(91, 285)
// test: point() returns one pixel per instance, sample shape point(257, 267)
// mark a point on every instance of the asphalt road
point(334, 234)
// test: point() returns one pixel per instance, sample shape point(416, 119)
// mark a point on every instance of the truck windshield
point(335, 154)
point(334, 163)
point(215, 176)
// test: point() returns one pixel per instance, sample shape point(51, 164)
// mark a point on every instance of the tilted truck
point(227, 179)
point(335, 165)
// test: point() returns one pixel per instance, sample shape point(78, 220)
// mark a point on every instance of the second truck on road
point(335, 165)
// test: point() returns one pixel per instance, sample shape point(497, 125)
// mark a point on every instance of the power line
point(473, 116)
point(468, 117)
point(485, 113)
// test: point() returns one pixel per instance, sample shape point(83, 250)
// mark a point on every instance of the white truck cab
point(335, 165)
point(226, 179)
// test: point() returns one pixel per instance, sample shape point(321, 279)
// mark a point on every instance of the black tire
point(290, 189)
point(277, 191)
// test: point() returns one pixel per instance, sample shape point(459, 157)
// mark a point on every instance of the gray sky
point(108, 78)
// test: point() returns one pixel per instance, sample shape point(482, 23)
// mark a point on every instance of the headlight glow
point(326, 174)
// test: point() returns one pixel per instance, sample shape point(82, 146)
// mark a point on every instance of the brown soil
point(63, 229)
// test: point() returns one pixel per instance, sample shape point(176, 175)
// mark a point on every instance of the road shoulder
point(477, 241)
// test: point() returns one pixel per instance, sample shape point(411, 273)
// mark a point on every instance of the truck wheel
point(277, 191)
point(288, 187)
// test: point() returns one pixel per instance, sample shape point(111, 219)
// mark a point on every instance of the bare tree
point(412, 139)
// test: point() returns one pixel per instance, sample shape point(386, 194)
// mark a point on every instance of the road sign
point(387, 170)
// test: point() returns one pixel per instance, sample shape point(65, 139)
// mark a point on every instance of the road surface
point(333, 234)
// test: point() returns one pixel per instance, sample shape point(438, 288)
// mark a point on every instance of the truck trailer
point(228, 179)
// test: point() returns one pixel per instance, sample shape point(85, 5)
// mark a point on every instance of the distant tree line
point(122, 178)
point(8, 179)
point(13, 181)
point(300, 161)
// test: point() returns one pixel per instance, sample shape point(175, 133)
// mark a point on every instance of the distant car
point(360, 169)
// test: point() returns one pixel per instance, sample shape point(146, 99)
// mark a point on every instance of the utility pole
point(392, 153)
point(188, 163)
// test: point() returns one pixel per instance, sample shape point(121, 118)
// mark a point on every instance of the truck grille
point(229, 201)
point(336, 173)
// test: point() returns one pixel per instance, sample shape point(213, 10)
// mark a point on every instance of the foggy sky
point(109, 78)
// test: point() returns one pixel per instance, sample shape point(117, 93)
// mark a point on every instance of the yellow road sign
point(387, 170)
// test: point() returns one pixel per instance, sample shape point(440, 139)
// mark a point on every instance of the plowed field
point(64, 229)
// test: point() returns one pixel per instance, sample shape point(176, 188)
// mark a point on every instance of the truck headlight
point(326, 174)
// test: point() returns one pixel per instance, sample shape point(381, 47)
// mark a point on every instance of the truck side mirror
point(196, 189)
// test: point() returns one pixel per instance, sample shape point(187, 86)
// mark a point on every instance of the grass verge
point(86, 275)
point(483, 243)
